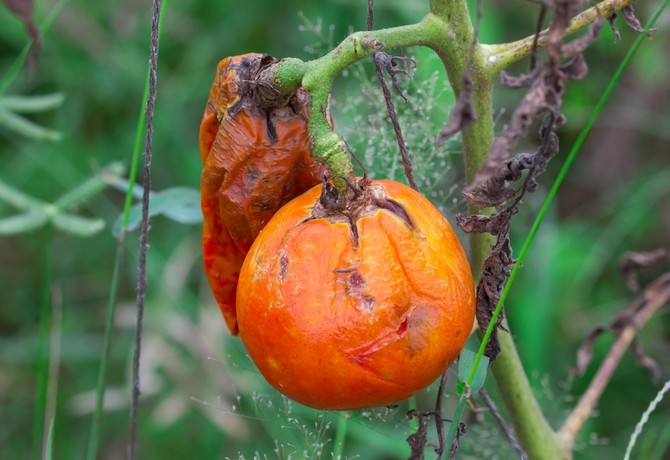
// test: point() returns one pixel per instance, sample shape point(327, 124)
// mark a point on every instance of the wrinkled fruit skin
point(256, 156)
point(336, 323)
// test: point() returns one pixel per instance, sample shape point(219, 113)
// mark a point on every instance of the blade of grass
point(52, 382)
point(48, 451)
point(111, 306)
point(93, 439)
point(43, 347)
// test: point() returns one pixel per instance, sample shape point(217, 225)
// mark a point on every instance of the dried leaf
point(454, 445)
point(463, 112)
point(633, 22)
point(418, 441)
point(580, 44)
point(612, 22)
point(391, 65)
point(645, 360)
point(477, 223)
point(522, 81)
point(632, 261)
point(585, 351)
point(495, 272)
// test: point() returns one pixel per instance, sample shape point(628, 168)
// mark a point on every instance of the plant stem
point(340, 436)
point(534, 433)
point(500, 56)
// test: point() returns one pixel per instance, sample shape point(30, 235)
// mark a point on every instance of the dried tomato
point(255, 149)
point(353, 303)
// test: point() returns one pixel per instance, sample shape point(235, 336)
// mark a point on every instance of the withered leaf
point(522, 81)
point(418, 441)
point(611, 19)
point(632, 261)
point(645, 360)
point(632, 21)
point(454, 444)
point(580, 44)
point(463, 112)
point(585, 351)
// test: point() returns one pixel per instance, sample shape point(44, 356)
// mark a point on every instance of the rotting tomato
point(355, 303)
point(255, 149)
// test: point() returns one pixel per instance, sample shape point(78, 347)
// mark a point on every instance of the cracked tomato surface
point(356, 305)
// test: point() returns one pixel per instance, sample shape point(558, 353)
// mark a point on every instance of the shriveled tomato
point(255, 149)
point(355, 303)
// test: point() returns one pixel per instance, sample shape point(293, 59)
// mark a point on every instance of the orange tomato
point(256, 156)
point(357, 307)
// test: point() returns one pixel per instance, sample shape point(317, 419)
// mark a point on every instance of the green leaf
point(465, 365)
point(23, 223)
point(76, 225)
point(89, 188)
point(180, 204)
point(27, 128)
point(48, 454)
point(31, 104)
point(18, 199)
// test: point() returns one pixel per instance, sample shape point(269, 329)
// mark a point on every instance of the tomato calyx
point(256, 94)
point(362, 198)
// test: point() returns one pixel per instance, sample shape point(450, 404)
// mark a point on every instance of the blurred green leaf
point(180, 204)
point(23, 223)
point(76, 225)
point(31, 104)
point(90, 187)
point(27, 128)
point(18, 199)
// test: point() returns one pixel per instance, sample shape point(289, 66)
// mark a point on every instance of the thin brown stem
point(507, 430)
point(653, 299)
point(144, 228)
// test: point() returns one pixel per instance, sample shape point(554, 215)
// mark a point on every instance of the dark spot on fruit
point(283, 266)
point(356, 287)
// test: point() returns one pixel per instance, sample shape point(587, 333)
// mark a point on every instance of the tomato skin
point(340, 324)
point(256, 157)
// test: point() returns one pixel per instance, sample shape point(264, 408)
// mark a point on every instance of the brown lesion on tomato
point(356, 286)
point(362, 198)
point(283, 266)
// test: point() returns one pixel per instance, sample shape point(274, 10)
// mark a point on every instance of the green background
point(202, 397)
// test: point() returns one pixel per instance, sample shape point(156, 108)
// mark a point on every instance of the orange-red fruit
point(336, 323)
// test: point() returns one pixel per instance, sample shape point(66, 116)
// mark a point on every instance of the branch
point(500, 56)
point(652, 299)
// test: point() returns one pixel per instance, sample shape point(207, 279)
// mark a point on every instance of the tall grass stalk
point(53, 377)
point(94, 438)
point(43, 344)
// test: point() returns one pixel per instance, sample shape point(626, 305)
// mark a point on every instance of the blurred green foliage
point(202, 397)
